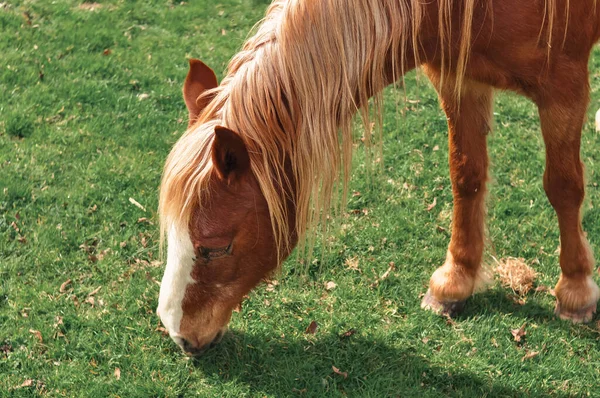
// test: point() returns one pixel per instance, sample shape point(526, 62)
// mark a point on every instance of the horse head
point(223, 246)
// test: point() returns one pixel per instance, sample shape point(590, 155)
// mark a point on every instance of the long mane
point(291, 94)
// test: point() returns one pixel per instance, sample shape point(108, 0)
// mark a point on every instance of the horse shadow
point(261, 364)
point(364, 367)
point(497, 300)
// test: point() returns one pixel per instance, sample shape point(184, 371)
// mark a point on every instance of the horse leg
point(562, 121)
point(469, 121)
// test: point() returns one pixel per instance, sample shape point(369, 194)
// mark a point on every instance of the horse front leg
point(469, 121)
point(562, 121)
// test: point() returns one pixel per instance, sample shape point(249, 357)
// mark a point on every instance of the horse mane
point(291, 94)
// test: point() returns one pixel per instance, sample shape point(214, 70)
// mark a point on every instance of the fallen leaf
point(37, 334)
point(312, 328)
point(91, 301)
point(352, 263)
point(529, 355)
point(337, 371)
point(144, 219)
point(91, 247)
point(132, 200)
point(519, 334)
point(89, 6)
point(140, 97)
point(330, 285)
point(107, 51)
point(118, 373)
point(96, 290)
point(348, 333)
point(37, 384)
point(26, 383)
point(391, 267)
point(103, 253)
point(431, 206)
point(27, 17)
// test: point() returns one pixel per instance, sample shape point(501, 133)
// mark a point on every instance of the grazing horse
point(266, 149)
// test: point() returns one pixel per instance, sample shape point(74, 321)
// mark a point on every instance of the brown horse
point(266, 150)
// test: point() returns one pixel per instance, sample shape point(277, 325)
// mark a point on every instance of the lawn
point(90, 104)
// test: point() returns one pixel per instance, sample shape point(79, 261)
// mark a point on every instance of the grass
point(90, 105)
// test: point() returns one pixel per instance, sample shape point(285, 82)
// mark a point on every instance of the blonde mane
point(292, 92)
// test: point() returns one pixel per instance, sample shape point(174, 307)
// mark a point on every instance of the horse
point(267, 150)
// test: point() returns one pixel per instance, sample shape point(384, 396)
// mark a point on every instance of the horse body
point(244, 194)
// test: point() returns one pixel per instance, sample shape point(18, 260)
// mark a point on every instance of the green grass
point(77, 140)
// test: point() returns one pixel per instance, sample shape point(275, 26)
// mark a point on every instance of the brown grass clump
point(515, 274)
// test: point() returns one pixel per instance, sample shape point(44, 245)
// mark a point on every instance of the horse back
point(518, 45)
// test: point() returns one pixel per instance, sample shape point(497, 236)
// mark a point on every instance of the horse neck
point(294, 88)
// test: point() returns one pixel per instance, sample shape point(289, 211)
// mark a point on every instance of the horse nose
point(189, 348)
point(192, 350)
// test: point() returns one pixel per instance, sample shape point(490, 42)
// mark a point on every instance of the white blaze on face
point(180, 262)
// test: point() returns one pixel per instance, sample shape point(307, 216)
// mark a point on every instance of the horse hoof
point(449, 308)
point(584, 315)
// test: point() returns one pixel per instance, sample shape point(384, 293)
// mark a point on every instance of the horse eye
point(212, 253)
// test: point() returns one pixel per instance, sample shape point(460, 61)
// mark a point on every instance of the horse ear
point(199, 79)
point(229, 154)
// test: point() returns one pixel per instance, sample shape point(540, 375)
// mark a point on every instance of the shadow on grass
point(499, 301)
point(304, 366)
point(260, 364)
